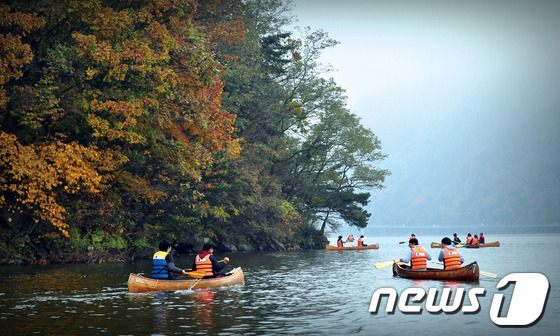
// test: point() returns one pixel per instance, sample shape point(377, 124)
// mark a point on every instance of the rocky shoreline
point(92, 255)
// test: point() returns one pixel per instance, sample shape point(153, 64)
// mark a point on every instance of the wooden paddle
point(386, 264)
point(196, 274)
point(488, 274)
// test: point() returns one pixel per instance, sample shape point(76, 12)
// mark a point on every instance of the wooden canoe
point(469, 272)
point(438, 245)
point(355, 247)
point(492, 244)
point(140, 284)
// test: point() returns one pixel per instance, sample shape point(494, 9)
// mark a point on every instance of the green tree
point(111, 115)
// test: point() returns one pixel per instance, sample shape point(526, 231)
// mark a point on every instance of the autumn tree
point(111, 116)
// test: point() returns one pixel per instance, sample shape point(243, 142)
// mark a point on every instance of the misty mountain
point(471, 168)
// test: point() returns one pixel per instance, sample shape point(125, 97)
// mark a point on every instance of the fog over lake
point(464, 96)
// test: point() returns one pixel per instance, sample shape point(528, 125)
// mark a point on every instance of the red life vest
point(419, 258)
point(350, 239)
point(474, 241)
point(452, 258)
point(482, 239)
point(339, 243)
point(204, 264)
point(469, 240)
point(360, 242)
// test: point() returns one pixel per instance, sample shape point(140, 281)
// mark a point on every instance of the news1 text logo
point(526, 304)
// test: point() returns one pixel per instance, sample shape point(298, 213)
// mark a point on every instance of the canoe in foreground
point(492, 244)
point(469, 272)
point(140, 284)
point(336, 248)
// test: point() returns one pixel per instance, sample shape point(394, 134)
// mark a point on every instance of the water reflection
point(293, 292)
point(204, 300)
point(161, 310)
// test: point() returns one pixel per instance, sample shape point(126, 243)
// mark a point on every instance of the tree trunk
point(325, 223)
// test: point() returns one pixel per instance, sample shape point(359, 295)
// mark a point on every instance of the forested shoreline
point(127, 122)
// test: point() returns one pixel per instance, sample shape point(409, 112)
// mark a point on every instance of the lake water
point(285, 293)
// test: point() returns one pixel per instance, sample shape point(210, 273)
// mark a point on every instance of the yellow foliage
point(35, 175)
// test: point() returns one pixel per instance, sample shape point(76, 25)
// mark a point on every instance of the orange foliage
point(121, 83)
point(14, 53)
point(33, 176)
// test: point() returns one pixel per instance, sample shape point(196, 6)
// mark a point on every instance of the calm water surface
point(285, 293)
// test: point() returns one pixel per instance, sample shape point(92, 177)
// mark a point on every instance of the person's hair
point(362, 236)
point(164, 245)
point(476, 236)
point(206, 247)
point(481, 233)
point(412, 235)
point(446, 241)
point(413, 241)
point(454, 235)
point(469, 234)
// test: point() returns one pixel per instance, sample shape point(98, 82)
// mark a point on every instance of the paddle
point(386, 264)
point(488, 274)
point(196, 274)
point(402, 242)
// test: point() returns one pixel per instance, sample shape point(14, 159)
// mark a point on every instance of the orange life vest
point(350, 239)
point(452, 258)
point(474, 241)
point(360, 242)
point(339, 243)
point(469, 240)
point(419, 258)
point(204, 264)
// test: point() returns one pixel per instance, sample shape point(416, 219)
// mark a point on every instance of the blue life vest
point(160, 270)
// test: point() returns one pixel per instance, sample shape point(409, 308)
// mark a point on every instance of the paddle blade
point(384, 264)
point(488, 274)
point(197, 274)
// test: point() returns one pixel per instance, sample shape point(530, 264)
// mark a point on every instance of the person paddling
point(361, 241)
point(469, 239)
point(456, 240)
point(163, 265)
point(481, 239)
point(205, 261)
point(474, 241)
point(450, 255)
point(417, 256)
point(340, 242)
